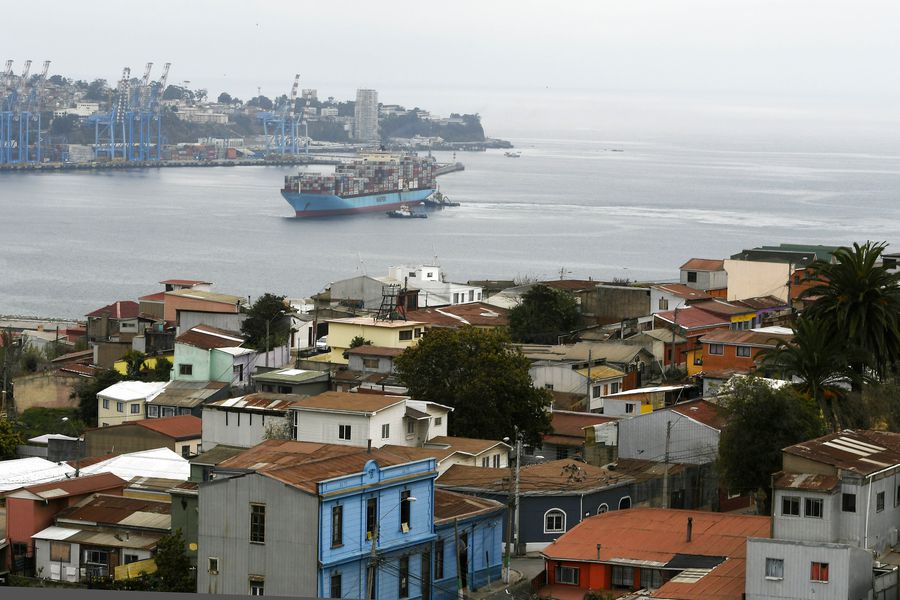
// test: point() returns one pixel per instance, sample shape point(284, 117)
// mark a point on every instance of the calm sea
point(71, 242)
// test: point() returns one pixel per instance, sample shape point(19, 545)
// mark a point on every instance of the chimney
point(598, 551)
point(369, 446)
point(690, 528)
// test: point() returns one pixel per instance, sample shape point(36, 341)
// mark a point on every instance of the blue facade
point(400, 547)
point(481, 539)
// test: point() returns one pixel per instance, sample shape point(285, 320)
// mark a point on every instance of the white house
point(124, 401)
point(433, 289)
point(578, 377)
point(244, 421)
point(362, 419)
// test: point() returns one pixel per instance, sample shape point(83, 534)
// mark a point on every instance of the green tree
point(820, 361)
point(544, 314)
point(96, 90)
point(39, 420)
point(224, 98)
point(161, 371)
point(761, 420)
point(482, 377)
point(173, 565)
point(858, 299)
point(268, 310)
point(358, 341)
point(86, 392)
point(9, 439)
point(134, 364)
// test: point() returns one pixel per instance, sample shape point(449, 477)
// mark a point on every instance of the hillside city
point(731, 433)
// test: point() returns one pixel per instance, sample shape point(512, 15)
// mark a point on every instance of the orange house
point(626, 550)
point(32, 509)
point(738, 351)
point(199, 300)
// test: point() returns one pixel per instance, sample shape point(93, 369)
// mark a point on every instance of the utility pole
point(673, 360)
point(509, 523)
point(373, 561)
point(516, 496)
point(589, 397)
point(459, 568)
point(666, 469)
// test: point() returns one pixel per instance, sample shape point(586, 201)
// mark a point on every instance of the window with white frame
point(624, 502)
point(622, 577)
point(717, 349)
point(813, 508)
point(879, 502)
point(212, 565)
point(343, 432)
point(818, 571)
point(410, 426)
point(742, 351)
point(257, 588)
point(774, 568)
point(152, 411)
point(485, 461)
point(554, 521)
point(614, 387)
point(439, 420)
point(790, 506)
point(135, 409)
point(120, 407)
point(603, 508)
point(496, 461)
point(106, 406)
point(385, 431)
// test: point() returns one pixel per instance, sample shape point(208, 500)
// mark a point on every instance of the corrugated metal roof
point(85, 484)
point(557, 477)
point(290, 375)
point(367, 350)
point(133, 390)
point(207, 296)
point(864, 452)
point(704, 264)
point(348, 402)
point(473, 446)
point(804, 481)
point(682, 291)
point(601, 372)
point(745, 338)
point(55, 533)
point(452, 505)
point(160, 462)
point(182, 427)
point(259, 402)
point(122, 309)
point(208, 338)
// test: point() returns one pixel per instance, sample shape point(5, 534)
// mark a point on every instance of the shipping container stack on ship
point(365, 177)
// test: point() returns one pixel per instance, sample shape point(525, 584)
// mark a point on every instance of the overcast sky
point(770, 54)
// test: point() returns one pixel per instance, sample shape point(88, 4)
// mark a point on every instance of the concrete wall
point(613, 303)
point(804, 527)
point(288, 558)
point(363, 288)
point(198, 359)
point(50, 389)
point(644, 437)
point(324, 427)
point(749, 278)
point(187, 319)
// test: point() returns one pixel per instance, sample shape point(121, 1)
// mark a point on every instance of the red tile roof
point(571, 425)
point(123, 309)
point(702, 411)
point(78, 369)
point(182, 427)
point(477, 314)
point(693, 318)
point(157, 297)
point(207, 338)
point(704, 264)
point(77, 485)
point(682, 291)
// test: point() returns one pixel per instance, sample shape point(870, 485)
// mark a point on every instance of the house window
point(135, 409)
point(410, 427)
point(106, 403)
point(774, 568)
point(625, 502)
point(370, 363)
point(238, 372)
point(790, 506)
point(496, 461)
point(257, 588)
point(848, 502)
point(455, 298)
point(651, 578)
point(818, 572)
point(60, 552)
point(337, 526)
point(439, 560)
point(131, 558)
point(258, 523)
point(567, 575)
point(485, 461)
point(692, 276)
point(471, 295)
point(385, 431)
point(186, 451)
point(405, 511)
point(371, 517)
point(152, 411)
point(622, 577)
point(629, 408)
point(185, 369)
point(614, 388)
point(813, 508)
point(168, 411)
point(597, 391)
point(554, 521)
point(663, 304)
point(403, 588)
point(335, 585)
point(603, 508)
point(743, 351)
point(212, 565)
point(406, 335)
point(120, 407)
point(717, 349)
point(343, 432)
point(418, 332)
point(879, 502)
point(439, 420)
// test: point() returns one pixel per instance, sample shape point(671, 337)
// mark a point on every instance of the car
point(322, 344)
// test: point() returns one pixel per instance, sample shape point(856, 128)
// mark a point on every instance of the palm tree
point(819, 362)
point(858, 300)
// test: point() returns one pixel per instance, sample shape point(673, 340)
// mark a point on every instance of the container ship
point(373, 183)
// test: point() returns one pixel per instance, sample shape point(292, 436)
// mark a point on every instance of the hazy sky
point(771, 55)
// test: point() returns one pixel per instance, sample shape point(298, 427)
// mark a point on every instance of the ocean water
point(571, 205)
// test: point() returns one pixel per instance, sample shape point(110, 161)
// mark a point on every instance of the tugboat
point(405, 213)
point(438, 200)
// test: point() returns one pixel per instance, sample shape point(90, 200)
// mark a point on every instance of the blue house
point(307, 519)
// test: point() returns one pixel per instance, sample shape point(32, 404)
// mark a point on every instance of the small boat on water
point(404, 212)
point(512, 154)
point(438, 200)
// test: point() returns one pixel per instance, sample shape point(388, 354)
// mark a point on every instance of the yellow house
point(122, 367)
point(387, 334)
point(124, 401)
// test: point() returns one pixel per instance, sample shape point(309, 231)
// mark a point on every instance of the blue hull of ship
point(326, 205)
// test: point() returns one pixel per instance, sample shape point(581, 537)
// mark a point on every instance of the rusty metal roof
point(864, 451)
point(557, 477)
point(805, 481)
point(369, 350)
point(77, 485)
point(748, 337)
point(259, 402)
point(348, 402)
point(102, 509)
point(452, 505)
point(704, 264)
point(207, 338)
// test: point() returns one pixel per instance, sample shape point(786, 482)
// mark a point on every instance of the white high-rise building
point(365, 118)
